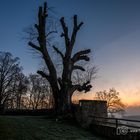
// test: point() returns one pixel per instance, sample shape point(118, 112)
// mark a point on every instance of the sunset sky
point(111, 29)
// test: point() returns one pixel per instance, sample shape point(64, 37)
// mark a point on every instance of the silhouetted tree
point(20, 83)
point(9, 67)
point(39, 92)
point(20, 88)
point(62, 87)
point(114, 103)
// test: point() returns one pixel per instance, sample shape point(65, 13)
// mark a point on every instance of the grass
point(40, 128)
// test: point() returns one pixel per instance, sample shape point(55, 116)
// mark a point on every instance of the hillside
point(40, 128)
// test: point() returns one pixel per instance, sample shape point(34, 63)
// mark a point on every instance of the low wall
point(88, 114)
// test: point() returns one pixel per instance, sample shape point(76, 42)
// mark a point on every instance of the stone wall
point(89, 108)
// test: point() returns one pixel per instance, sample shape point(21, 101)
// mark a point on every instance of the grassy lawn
point(40, 128)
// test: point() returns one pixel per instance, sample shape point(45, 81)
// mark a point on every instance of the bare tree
point(114, 103)
point(62, 87)
point(20, 88)
point(9, 67)
point(39, 91)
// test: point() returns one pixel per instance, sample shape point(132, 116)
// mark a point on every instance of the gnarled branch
point(34, 46)
point(85, 87)
point(81, 55)
point(75, 29)
point(58, 51)
point(65, 31)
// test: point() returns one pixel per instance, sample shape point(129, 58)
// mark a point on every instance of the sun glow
point(129, 99)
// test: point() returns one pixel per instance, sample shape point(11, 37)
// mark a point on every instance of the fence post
point(116, 123)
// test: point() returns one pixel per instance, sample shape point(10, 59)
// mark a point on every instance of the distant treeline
point(18, 91)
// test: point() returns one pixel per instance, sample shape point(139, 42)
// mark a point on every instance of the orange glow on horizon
point(128, 100)
point(131, 102)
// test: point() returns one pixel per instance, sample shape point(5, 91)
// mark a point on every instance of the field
point(40, 128)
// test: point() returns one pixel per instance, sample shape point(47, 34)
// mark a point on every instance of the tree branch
point(75, 29)
point(51, 32)
point(65, 31)
point(76, 67)
point(37, 27)
point(85, 87)
point(34, 46)
point(44, 75)
point(58, 51)
point(81, 55)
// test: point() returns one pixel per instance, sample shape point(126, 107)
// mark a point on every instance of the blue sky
point(111, 29)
